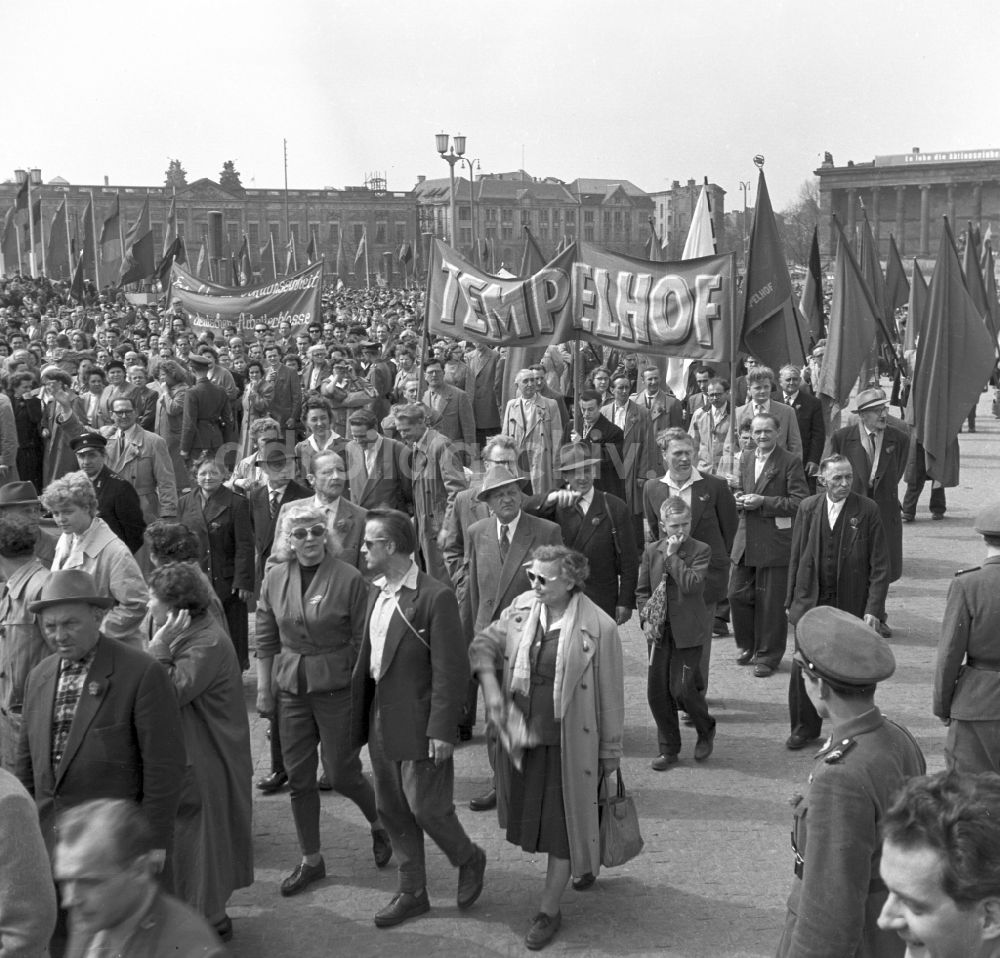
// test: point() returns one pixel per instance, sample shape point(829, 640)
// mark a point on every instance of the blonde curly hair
point(73, 489)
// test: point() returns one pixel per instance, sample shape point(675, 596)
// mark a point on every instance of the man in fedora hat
point(100, 718)
point(877, 451)
point(600, 526)
point(498, 548)
point(21, 499)
point(837, 893)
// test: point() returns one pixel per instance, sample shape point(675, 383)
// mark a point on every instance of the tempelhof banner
point(669, 309)
point(295, 299)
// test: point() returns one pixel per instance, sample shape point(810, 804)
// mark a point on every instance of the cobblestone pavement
point(717, 865)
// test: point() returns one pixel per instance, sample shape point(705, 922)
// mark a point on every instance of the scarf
point(520, 679)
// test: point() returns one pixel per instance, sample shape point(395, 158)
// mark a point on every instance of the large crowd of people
point(406, 536)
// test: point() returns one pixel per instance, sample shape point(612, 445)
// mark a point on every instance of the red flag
point(57, 264)
point(916, 309)
point(770, 329)
point(88, 255)
point(76, 289)
point(8, 245)
point(21, 200)
point(897, 287)
point(532, 259)
point(974, 280)
point(311, 248)
point(955, 357)
point(811, 304)
point(139, 261)
point(871, 270)
point(851, 330)
point(655, 247)
point(111, 244)
point(990, 282)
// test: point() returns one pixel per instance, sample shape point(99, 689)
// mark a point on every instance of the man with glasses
point(839, 558)
point(710, 427)
point(809, 415)
point(534, 423)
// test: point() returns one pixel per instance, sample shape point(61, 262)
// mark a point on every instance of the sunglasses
point(313, 532)
point(535, 579)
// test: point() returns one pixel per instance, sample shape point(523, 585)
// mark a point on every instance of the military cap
point(988, 520)
point(89, 440)
point(873, 398)
point(839, 647)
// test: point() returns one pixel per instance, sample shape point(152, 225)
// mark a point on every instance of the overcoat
point(690, 618)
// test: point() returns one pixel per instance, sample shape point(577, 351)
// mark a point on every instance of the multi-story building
point(674, 210)
point(388, 217)
point(907, 195)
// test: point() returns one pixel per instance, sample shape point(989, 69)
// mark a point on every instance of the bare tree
point(797, 222)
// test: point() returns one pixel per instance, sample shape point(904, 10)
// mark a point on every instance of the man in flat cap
point(967, 679)
point(837, 893)
point(878, 451)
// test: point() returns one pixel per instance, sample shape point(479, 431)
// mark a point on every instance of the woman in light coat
point(562, 668)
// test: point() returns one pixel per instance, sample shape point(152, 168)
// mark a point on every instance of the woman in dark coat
point(28, 416)
point(213, 838)
point(221, 520)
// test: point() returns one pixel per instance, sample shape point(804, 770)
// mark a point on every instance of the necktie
point(70, 684)
point(275, 499)
point(504, 543)
point(121, 443)
point(580, 507)
point(759, 410)
point(870, 448)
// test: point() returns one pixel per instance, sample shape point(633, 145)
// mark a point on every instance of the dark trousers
point(757, 604)
point(414, 798)
point(277, 760)
point(912, 497)
point(236, 618)
point(672, 682)
point(803, 717)
point(306, 721)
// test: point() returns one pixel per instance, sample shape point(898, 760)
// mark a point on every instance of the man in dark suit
point(206, 412)
point(100, 718)
point(838, 558)
point(485, 391)
point(496, 550)
point(605, 442)
point(378, 468)
point(677, 624)
point(117, 501)
point(599, 526)
point(408, 692)
point(380, 374)
point(286, 398)
point(144, 399)
point(714, 519)
point(878, 452)
point(760, 385)
point(453, 407)
point(772, 484)
point(809, 416)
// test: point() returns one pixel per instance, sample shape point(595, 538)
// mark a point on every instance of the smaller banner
point(294, 299)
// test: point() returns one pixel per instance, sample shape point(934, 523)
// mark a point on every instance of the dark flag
point(974, 280)
point(916, 309)
point(170, 233)
point(139, 261)
point(88, 255)
point(311, 249)
point(245, 267)
point(990, 282)
point(532, 259)
point(851, 328)
point(234, 266)
point(811, 304)
point(8, 245)
point(76, 289)
point(111, 244)
point(653, 245)
point(955, 357)
point(897, 287)
point(21, 200)
point(405, 257)
point(342, 271)
point(770, 323)
point(871, 270)
point(173, 254)
point(57, 261)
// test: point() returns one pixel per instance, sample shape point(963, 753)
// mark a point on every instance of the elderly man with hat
point(21, 499)
point(206, 412)
point(877, 450)
point(101, 719)
point(498, 548)
point(837, 892)
point(967, 678)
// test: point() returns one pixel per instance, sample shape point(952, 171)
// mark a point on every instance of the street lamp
point(473, 165)
point(744, 186)
point(451, 155)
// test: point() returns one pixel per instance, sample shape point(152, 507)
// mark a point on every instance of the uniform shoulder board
point(839, 750)
point(975, 568)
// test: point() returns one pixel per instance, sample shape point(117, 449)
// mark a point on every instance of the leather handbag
point(619, 824)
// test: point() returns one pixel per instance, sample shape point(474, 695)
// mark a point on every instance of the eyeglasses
point(122, 412)
point(313, 532)
point(368, 543)
point(535, 579)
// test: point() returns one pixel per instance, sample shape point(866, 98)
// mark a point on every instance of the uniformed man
point(837, 893)
point(967, 681)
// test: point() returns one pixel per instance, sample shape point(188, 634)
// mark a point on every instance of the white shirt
point(371, 454)
point(585, 501)
point(330, 510)
point(619, 413)
point(759, 463)
point(833, 510)
point(681, 492)
point(511, 527)
point(385, 605)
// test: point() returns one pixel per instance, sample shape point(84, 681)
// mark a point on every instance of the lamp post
point(451, 155)
point(744, 186)
point(473, 165)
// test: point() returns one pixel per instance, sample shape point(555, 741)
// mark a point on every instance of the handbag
point(619, 824)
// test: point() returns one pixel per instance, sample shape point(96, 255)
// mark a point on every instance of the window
point(180, 229)
point(491, 214)
point(400, 233)
point(588, 233)
point(233, 234)
point(570, 216)
point(157, 229)
point(334, 233)
point(618, 220)
point(506, 232)
point(506, 216)
point(588, 216)
point(275, 230)
point(543, 217)
point(606, 218)
point(526, 217)
point(253, 229)
point(465, 213)
point(293, 229)
point(465, 236)
point(314, 233)
point(543, 232)
point(381, 227)
point(359, 229)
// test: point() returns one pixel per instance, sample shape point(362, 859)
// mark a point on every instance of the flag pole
point(121, 238)
point(97, 250)
point(17, 236)
point(41, 229)
point(368, 281)
point(31, 230)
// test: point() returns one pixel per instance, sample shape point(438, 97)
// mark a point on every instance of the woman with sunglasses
point(562, 673)
point(310, 623)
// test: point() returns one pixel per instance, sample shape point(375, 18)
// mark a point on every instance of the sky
point(645, 90)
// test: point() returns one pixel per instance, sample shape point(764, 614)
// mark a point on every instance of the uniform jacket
point(169, 929)
point(969, 633)
point(145, 464)
point(788, 425)
point(862, 558)
point(388, 484)
point(457, 423)
point(836, 835)
point(119, 506)
point(714, 521)
point(606, 537)
point(286, 396)
point(493, 584)
point(125, 740)
point(425, 673)
point(484, 388)
point(883, 489)
point(206, 412)
point(225, 534)
point(262, 526)
point(593, 686)
point(605, 440)
point(638, 448)
point(690, 618)
point(812, 430)
point(764, 536)
point(321, 631)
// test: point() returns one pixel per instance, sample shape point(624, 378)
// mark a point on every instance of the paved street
point(717, 865)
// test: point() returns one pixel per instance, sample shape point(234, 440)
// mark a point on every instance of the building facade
point(906, 195)
point(674, 210)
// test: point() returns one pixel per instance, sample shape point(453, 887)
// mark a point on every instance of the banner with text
point(669, 309)
point(295, 299)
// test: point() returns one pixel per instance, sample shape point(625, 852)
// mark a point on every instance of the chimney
point(421, 179)
point(106, 182)
point(36, 177)
point(916, 149)
point(675, 185)
point(20, 176)
point(690, 184)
